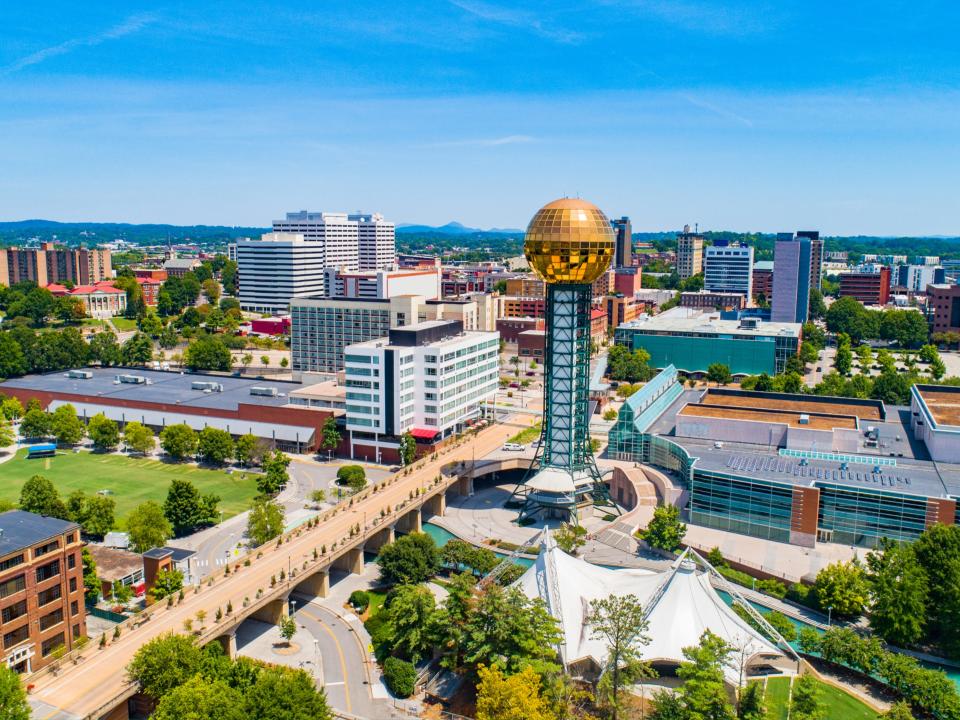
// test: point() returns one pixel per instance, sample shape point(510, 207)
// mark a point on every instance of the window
point(71, 538)
point(15, 637)
point(71, 561)
point(13, 585)
point(45, 572)
point(76, 631)
point(51, 644)
point(11, 562)
point(44, 549)
point(74, 607)
point(48, 596)
point(51, 619)
point(14, 611)
point(73, 584)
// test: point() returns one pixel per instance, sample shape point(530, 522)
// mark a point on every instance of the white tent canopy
point(680, 605)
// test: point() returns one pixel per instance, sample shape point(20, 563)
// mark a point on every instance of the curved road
point(85, 688)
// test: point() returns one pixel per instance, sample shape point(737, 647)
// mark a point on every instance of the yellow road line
point(343, 661)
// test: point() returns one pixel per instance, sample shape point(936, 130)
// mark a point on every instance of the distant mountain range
point(453, 228)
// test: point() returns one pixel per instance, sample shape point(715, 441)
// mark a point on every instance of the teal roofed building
point(691, 340)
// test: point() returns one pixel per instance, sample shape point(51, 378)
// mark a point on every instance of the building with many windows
point(728, 268)
point(41, 588)
point(52, 264)
point(322, 327)
point(278, 268)
point(623, 242)
point(689, 253)
point(431, 379)
point(798, 469)
point(692, 340)
point(358, 241)
point(870, 285)
point(792, 272)
point(944, 303)
point(382, 283)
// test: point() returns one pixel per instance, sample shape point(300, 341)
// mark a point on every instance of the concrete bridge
point(92, 683)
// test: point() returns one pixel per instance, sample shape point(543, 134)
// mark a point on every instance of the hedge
point(400, 676)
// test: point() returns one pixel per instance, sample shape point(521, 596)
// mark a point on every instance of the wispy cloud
point(131, 25)
point(712, 18)
point(512, 17)
point(484, 142)
point(716, 109)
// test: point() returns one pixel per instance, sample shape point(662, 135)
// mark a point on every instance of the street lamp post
point(829, 615)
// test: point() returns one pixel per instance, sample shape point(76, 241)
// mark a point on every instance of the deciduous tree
point(13, 699)
point(215, 446)
point(38, 495)
point(665, 531)
point(148, 527)
point(842, 587)
point(65, 426)
point(510, 697)
point(103, 432)
point(264, 522)
point(619, 622)
point(139, 438)
point(409, 559)
point(179, 441)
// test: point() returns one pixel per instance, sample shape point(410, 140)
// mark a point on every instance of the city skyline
point(737, 116)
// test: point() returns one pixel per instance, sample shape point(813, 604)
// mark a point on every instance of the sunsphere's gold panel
point(569, 241)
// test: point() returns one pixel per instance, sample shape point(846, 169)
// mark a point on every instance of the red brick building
point(627, 283)
point(518, 307)
point(41, 588)
point(870, 288)
point(532, 344)
point(944, 302)
point(510, 328)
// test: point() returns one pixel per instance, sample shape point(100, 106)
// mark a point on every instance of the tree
point(264, 522)
point(13, 698)
point(38, 495)
point(103, 432)
point(631, 366)
point(121, 593)
point(186, 509)
point(137, 350)
point(148, 527)
point(898, 592)
point(330, 435)
point(848, 315)
point(843, 587)
point(619, 622)
point(719, 373)
point(353, 476)
point(408, 611)
point(104, 348)
point(900, 710)
point(208, 352)
point(750, 705)
point(703, 692)
point(570, 537)
point(164, 663)
point(200, 698)
point(805, 703)
point(510, 697)
point(151, 324)
point(167, 583)
point(139, 438)
point(13, 362)
point(91, 581)
point(215, 446)
point(94, 513)
point(229, 277)
point(168, 337)
point(7, 435)
point(400, 676)
point(243, 449)
point(35, 424)
point(409, 559)
point(668, 706)
point(265, 360)
point(11, 407)
point(179, 441)
point(211, 288)
point(938, 552)
point(816, 305)
point(275, 475)
point(665, 530)
point(288, 628)
point(843, 361)
point(66, 427)
point(408, 449)
point(281, 693)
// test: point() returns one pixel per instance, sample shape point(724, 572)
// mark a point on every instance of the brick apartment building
point(51, 264)
point(41, 588)
point(944, 304)
point(870, 288)
point(509, 327)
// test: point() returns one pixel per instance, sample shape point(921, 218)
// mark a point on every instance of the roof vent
point(804, 419)
point(131, 379)
point(79, 374)
point(264, 391)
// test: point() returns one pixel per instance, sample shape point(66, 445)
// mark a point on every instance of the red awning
point(424, 433)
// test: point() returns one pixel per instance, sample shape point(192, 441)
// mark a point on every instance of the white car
point(514, 446)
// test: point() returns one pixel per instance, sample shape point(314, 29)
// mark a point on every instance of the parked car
point(514, 446)
point(514, 385)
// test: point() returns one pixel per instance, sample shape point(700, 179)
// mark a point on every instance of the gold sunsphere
point(569, 241)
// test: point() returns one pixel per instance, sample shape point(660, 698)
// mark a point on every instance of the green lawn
point(839, 705)
point(124, 324)
point(132, 480)
point(526, 436)
point(377, 598)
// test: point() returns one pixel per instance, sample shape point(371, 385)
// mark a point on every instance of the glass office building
point(861, 516)
point(749, 507)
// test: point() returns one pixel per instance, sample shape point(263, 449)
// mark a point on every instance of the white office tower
point(728, 268)
point(377, 240)
point(338, 235)
point(276, 268)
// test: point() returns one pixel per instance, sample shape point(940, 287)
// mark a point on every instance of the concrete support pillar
point(120, 712)
point(351, 561)
point(272, 611)
point(410, 522)
point(317, 584)
point(379, 539)
point(465, 486)
point(229, 644)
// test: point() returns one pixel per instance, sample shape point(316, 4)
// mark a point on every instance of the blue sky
point(737, 115)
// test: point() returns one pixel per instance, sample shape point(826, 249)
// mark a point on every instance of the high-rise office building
point(352, 242)
point(816, 256)
point(689, 253)
point(728, 268)
point(623, 247)
point(792, 277)
point(277, 268)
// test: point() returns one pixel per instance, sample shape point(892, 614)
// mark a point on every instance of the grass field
point(526, 436)
point(131, 480)
point(124, 324)
point(839, 705)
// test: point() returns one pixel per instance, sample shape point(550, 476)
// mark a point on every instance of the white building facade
point(728, 268)
point(430, 379)
point(277, 268)
point(382, 283)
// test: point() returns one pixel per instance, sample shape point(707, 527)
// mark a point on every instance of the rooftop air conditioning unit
point(804, 419)
point(131, 379)
point(79, 374)
point(264, 391)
